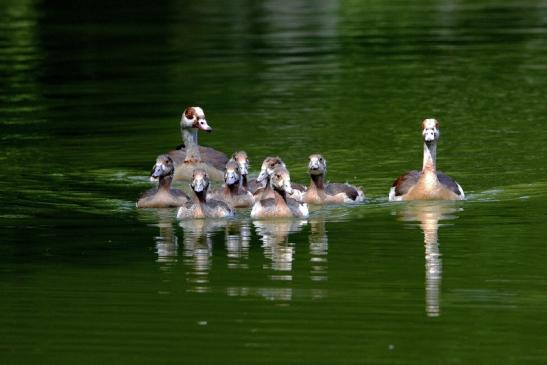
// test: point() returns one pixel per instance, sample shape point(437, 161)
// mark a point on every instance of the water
point(91, 93)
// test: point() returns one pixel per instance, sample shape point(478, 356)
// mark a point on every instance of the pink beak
point(202, 124)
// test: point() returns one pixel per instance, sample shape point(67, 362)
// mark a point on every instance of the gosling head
point(193, 117)
point(200, 181)
point(317, 165)
point(281, 180)
point(430, 130)
point(269, 164)
point(231, 173)
point(164, 167)
point(242, 161)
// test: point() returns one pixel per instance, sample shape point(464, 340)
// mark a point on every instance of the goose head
point(200, 181)
point(430, 130)
point(281, 180)
point(242, 161)
point(231, 174)
point(317, 165)
point(164, 167)
point(269, 164)
point(194, 117)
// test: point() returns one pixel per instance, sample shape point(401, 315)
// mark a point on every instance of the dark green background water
point(91, 92)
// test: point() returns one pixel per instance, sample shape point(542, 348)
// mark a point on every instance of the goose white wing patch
point(462, 194)
point(303, 208)
point(392, 197)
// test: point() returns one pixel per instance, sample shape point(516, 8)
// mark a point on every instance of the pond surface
point(92, 93)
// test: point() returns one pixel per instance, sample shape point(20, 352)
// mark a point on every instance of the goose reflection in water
point(428, 214)
point(166, 241)
point(274, 235)
point(279, 252)
point(198, 249)
point(319, 246)
point(238, 242)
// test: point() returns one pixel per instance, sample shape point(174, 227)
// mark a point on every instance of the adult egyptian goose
point(428, 184)
point(190, 155)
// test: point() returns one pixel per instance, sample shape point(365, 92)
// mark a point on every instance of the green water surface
point(92, 92)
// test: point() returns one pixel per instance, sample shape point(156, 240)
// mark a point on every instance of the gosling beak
point(203, 125)
point(314, 168)
point(262, 176)
point(287, 186)
point(157, 171)
point(198, 185)
point(313, 165)
point(243, 168)
point(231, 178)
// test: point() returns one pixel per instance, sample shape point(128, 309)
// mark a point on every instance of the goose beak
point(198, 185)
point(429, 136)
point(243, 168)
point(313, 165)
point(287, 186)
point(203, 125)
point(231, 178)
point(156, 172)
point(262, 176)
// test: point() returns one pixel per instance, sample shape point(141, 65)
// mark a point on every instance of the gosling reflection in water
point(281, 252)
point(274, 235)
point(198, 249)
point(429, 214)
point(319, 246)
point(238, 241)
point(199, 236)
point(166, 242)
